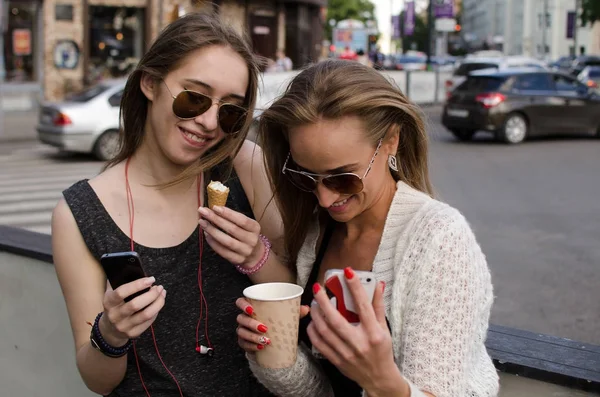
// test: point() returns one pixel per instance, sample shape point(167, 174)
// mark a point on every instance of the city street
point(534, 208)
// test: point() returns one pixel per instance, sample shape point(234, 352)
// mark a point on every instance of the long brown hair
point(332, 89)
point(180, 38)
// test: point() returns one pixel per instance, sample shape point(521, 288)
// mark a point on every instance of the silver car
point(86, 122)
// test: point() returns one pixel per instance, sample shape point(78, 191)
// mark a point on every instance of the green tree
point(338, 10)
point(418, 40)
point(590, 11)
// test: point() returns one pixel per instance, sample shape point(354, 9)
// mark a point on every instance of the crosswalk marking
point(44, 195)
point(31, 183)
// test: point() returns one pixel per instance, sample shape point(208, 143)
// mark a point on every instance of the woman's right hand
point(128, 320)
point(251, 332)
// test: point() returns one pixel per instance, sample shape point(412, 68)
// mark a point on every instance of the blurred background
point(509, 89)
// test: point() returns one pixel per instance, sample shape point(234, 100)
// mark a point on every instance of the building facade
point(53, 47)
point(483, 23)
point(536, 28)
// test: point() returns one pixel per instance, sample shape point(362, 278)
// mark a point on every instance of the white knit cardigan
point(438, 298)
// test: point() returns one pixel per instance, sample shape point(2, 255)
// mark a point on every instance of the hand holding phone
point(122, 268)
point(341, 297)
point(133, 303)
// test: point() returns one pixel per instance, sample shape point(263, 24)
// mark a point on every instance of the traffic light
point(457, 28)
point(372, 39)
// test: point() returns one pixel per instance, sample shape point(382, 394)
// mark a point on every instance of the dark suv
point(519, 103)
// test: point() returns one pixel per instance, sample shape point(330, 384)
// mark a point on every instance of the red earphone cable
point(131, 210)
point(203, 301)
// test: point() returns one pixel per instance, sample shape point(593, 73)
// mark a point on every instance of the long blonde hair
point(330, 90)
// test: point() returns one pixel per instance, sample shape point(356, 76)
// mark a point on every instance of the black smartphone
point(122, 268)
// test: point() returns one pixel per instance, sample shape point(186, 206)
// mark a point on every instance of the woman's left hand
point(361, 352)
point(232, 235)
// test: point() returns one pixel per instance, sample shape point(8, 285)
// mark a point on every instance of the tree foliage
point(418, 40)
point(338, 10)
point(590, 11)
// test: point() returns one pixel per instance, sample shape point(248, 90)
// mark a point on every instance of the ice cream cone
point(217, 194)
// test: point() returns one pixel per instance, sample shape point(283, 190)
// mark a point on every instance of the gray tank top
point(225, 374)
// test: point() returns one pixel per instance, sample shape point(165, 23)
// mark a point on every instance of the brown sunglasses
point(189, 104)
point(343, 183)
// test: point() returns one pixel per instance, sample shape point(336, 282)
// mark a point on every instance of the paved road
point(535, 209)
point(32, 178)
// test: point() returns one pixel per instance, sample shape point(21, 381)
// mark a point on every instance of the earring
point(393, 163)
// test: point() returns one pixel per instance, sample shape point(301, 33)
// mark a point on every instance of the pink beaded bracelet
point(262, 260)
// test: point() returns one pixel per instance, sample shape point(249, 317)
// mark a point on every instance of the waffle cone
point(216, 198)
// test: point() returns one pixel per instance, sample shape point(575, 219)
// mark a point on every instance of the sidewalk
point(18, 126)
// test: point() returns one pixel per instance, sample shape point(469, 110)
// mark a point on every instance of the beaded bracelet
point(262, 260)
point(102, 346)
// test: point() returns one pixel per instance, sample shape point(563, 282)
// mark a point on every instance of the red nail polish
point(268, 341)
point(349, 273)
point(260, 347)
point(316, 288)
point(262, 328)
point(249, 310)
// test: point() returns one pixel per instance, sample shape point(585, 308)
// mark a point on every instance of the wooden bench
point(542, 357)
point(547, 358)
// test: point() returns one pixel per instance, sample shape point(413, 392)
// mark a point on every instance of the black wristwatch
point(102, 346)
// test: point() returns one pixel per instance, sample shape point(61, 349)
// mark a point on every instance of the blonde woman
point(347, 155)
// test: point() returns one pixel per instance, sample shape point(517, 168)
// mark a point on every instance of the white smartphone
point(340, 296)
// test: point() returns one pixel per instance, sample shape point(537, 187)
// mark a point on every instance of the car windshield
point(411, 60)
point(88, 93)
point(481, 84)
point(526, 65)
point(594, 73)
point(466, 68)
point(589, 62)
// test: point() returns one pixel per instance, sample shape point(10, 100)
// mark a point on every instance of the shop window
point(19, 45)
point(116, 41)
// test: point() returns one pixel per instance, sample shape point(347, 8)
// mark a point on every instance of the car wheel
point(515, 129)
point(463, 135)
point(107, 146)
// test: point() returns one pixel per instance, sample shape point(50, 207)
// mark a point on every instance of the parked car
point(86, 122)
point(474, 63)
point(562, 64)
point(519, 103)
point(581, 62)
point(444, 64)
point(410, 63)
point(590, 76)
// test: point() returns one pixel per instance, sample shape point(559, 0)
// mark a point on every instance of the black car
point(517, 104)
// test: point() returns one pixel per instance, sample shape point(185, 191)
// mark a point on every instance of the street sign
point(571, 22)
point(445, 24)
point(21, 41)
point(443, 8)
point(409, 18)
point(396, 34)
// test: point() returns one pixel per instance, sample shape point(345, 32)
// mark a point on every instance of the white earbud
point(205, 350)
